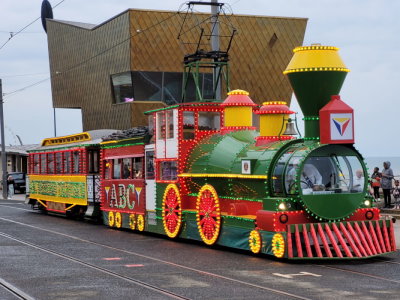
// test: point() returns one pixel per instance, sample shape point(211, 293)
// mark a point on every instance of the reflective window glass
point(168, 170)
point(209, 120)
point(147, 86)
point(172, 87)
point(50, 163)
point(122, 87)
point(149, 164)
point(170, 124)
point(161, 129)
point(59, 163)
point(117, 168)
point(188, 125)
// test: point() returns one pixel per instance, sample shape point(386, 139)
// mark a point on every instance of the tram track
point(209, 274)
point(16, 292)
point(205, 272)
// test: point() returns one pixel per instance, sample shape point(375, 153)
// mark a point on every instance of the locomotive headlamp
point(367, 203)
point(282, 206)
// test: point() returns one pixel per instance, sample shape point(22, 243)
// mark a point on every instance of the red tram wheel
point(172, 211)
point(208, 214)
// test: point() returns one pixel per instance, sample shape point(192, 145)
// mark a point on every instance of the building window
point(158, 86)
point(188, 125)
point(122, 87)
point(209, 120)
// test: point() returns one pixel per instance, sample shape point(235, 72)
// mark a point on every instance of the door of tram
point(150, 178)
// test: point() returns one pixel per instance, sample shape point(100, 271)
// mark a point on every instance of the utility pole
point(215, 43)
point(3, 145)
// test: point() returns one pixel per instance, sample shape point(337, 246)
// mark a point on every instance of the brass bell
point(290, 130)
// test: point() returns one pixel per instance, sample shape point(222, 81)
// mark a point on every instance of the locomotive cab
point(330, 180)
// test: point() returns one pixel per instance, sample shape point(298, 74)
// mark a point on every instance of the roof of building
point(20, 149)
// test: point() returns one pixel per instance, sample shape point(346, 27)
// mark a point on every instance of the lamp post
point(3, 145)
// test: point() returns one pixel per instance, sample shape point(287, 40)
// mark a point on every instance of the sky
point(366, 31)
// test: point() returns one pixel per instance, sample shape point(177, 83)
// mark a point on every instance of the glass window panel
point(76, 161)
point(172, 87)
point(188, 125)
point(67, 162)
point(150, 165)
point(36, 163)
point(122, 87)
point(190, 89)
point(107, 169)
point(138, 167)
point(170, 124)
point(209, 120)
point(279, 170)
point(59, 162)
point(43, 163)
point(161, 125)
point(50, 163)
point(208, 86)
point(117, 168)
point(168, 170)
point(147, 86)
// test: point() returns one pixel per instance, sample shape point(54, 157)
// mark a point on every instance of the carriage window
point(50, 163)
point(334, 174)
point(76, 162)
point(127, 168)
point(93, 159)
point(36, 158)
point(160, 126)
point(138, 167)
point(107, 169)
point(150, 165)
point(209, 120)
point(116, 169)
point(67, 162)
point(277, 178)
point(151, 124)
point(188, 125)
point(59, 162)
point(170, 124)
point(168, 170)
point(43, 164)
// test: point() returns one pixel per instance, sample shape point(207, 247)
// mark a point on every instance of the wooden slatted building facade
point(84, 58)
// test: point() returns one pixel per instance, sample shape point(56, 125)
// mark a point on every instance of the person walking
point(386, 183)
point(10, 186)
point(376, 183)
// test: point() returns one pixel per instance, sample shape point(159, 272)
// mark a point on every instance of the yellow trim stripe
point(223, 175)
point(68, 139)
point(41, 203)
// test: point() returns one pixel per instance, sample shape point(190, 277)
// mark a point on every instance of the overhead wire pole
point(3, 145)
point(215, 44)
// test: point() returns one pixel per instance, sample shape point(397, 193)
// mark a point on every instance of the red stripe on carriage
point(307, 241)
point(368, 238)
point(350, 240)
point(362, 239)
point(341, 240)
point(374, 237)
point(315, 239)
point(356, 240)
point(289, 241)
point(333, 241)
point(381, 241)
point(298, 242)
point(392, 236)
point(324, 241)
point(386, 236)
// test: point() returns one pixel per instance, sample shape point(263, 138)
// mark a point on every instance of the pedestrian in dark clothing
point(386, 183)
point(376, 183)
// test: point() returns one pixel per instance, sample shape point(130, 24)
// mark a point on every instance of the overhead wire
point(12, 34)
point(141, 31)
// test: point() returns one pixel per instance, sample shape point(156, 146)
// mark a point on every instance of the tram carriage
point(203, 172)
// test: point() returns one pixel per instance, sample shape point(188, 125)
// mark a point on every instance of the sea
point(373, 162)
